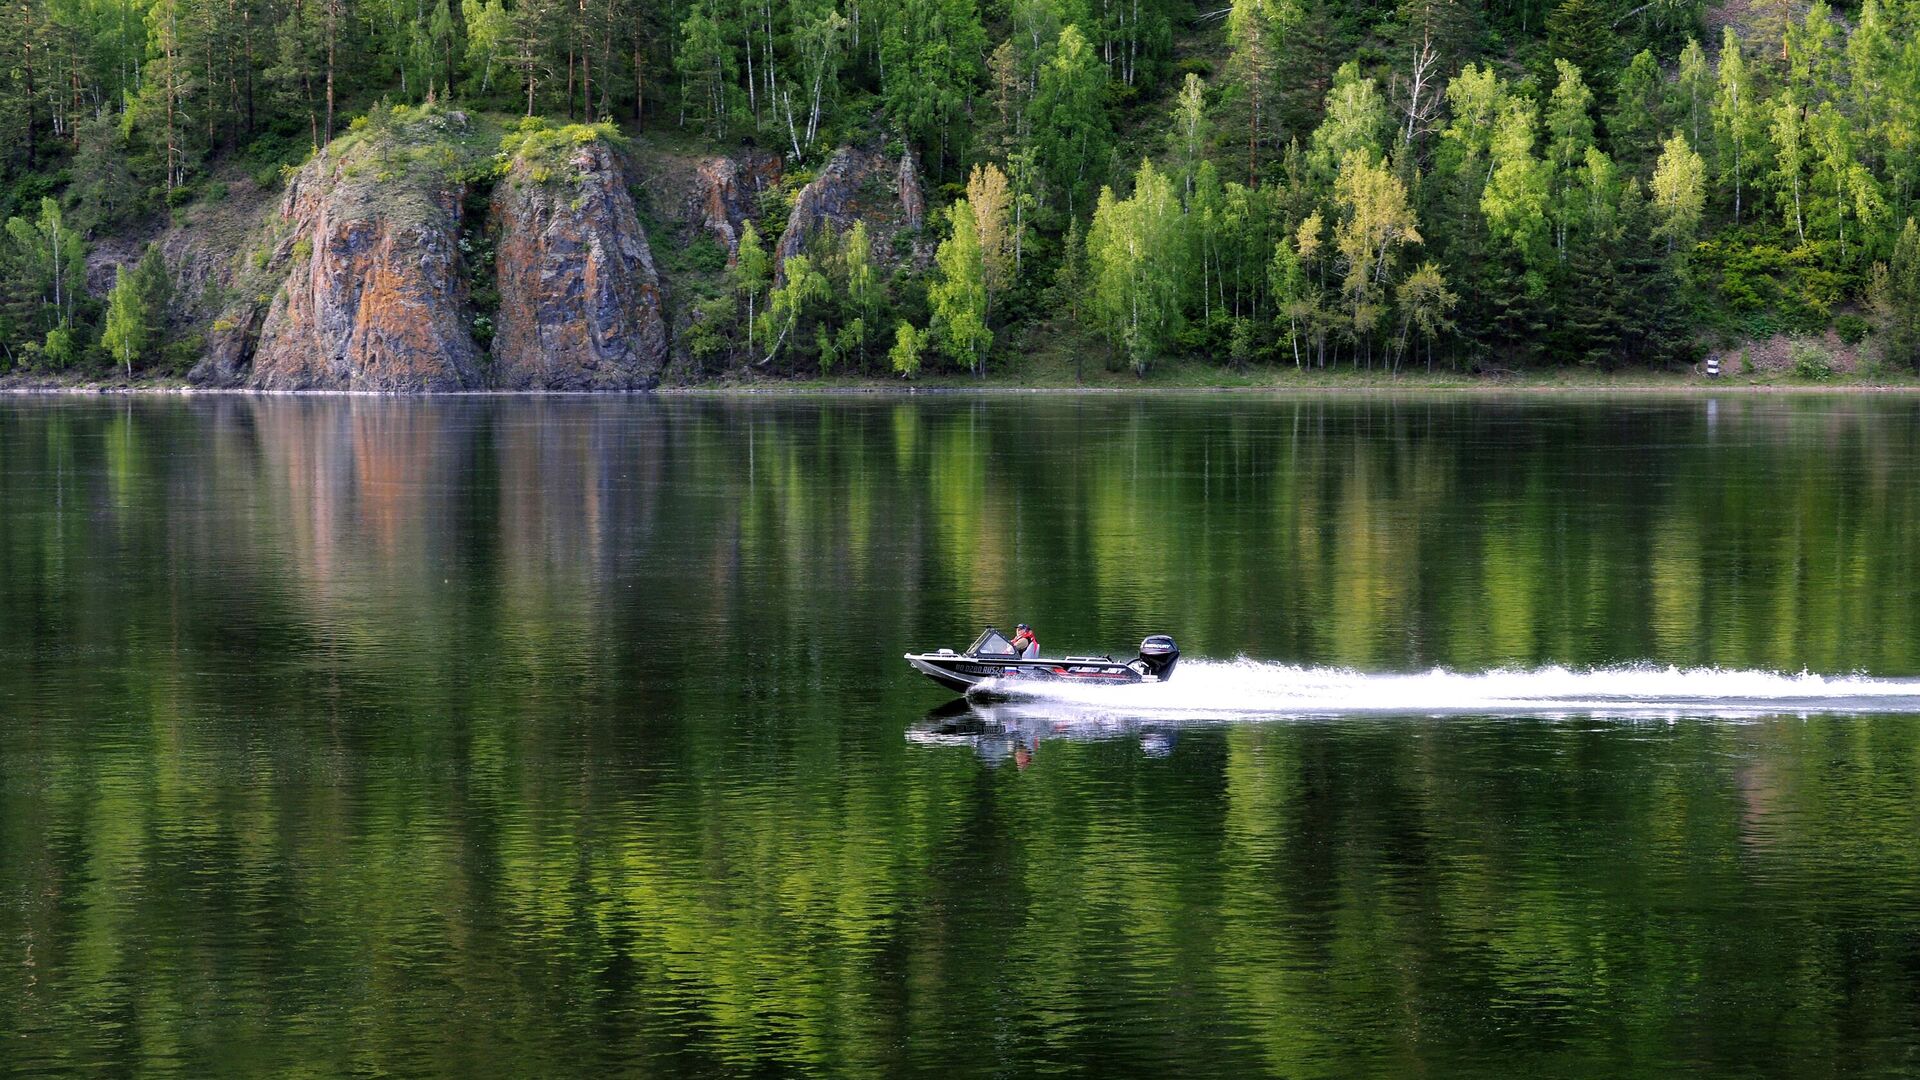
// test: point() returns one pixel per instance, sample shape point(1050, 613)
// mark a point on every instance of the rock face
point(727, 192)
point(913, 201)
point(579, 294)
point(230, 345)
point(856, 184)
point(374, 298)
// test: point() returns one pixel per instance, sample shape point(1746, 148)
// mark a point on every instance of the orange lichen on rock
point(374, 298)
point(579, 294)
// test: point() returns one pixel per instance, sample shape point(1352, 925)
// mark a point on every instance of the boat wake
point(1244, 687)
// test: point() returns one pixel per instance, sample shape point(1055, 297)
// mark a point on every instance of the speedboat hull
point(991, 659)
point(959, 672)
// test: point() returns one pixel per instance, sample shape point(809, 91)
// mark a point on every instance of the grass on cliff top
point(414, 142)
point(546, 149)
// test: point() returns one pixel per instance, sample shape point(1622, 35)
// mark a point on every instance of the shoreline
point(1330, 386)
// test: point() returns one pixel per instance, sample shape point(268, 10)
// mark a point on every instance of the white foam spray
point(1243, 687)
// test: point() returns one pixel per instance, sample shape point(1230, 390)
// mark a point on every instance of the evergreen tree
point(1635, 122)
point(1581, 32)
point(1895, 300)
point(1068, 117)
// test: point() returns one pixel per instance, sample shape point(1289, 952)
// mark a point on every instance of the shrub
point(706, 255)
point(1851, 328)
point(62, 348)
point(1810, 361)
point(710, 335)
point(178, 357)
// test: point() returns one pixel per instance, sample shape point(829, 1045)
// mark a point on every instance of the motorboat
point(992, 657)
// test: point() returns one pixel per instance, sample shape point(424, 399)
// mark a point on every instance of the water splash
point(1253, 688)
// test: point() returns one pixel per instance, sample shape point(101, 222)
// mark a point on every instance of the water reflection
point(535, 737)
point(1003, 733)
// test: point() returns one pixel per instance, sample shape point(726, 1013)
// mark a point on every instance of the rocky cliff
point(579, 294)
point(726, 192)
point(375, 296)
point(856, 184)
point(383, 256)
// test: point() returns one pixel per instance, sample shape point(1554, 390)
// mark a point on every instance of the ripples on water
point(534, 737)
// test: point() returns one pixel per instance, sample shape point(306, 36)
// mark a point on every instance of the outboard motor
point(1158, 654)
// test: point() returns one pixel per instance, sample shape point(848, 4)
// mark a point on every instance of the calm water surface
point(534, 737)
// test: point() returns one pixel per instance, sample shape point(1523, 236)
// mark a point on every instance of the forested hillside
point(1479, 185)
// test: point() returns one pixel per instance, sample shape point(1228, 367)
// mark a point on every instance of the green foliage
point(796, 298)
point(904, 357)
point(1581, 32)
point(128, 322)
point(1851, 328)
point(43, 265)
point(959, 293)
point(1809, 360)
point(930, 52)
point(1133, 251)
point(1679, 193)
point(1068, 117)
point(546, 148)
point(1760, 182)
point(1894, 298)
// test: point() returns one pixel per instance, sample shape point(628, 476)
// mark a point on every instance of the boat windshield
point(991, 643)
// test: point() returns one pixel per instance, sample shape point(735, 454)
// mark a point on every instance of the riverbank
point(1192, 377)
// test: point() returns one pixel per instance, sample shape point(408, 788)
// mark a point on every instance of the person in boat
point(1025, 645)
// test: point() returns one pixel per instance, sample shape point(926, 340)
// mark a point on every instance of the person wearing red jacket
point(1025, 645)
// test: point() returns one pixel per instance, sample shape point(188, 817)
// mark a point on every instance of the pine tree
point(1581, 31)
point(1068, 117)
point(1635, 122)
point(1895, 300)
point(1256, 32)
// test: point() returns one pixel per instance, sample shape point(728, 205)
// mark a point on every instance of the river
point(501, 736)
